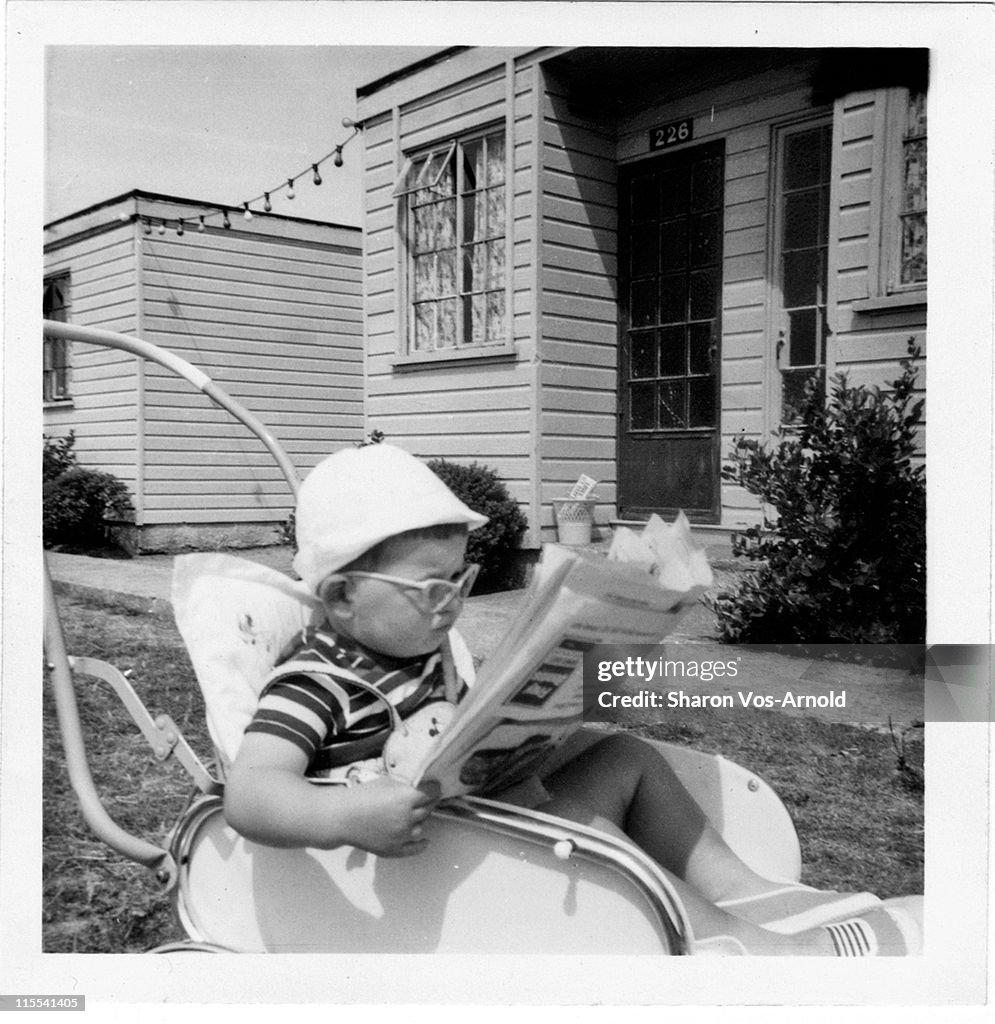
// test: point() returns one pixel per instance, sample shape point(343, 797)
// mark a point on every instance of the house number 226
point(672, 134)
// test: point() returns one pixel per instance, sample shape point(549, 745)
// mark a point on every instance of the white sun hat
point(357, 497)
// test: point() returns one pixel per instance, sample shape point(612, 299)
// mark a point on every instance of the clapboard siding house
point(271, 310)
point(614, 261)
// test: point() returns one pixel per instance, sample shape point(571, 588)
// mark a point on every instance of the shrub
point(843, 557)
point(492, 546)
point(77, 504)
point(57, 455)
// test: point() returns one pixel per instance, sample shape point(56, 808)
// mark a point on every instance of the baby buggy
point(495, 878)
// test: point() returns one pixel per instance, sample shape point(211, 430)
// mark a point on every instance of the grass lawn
point(859, 819)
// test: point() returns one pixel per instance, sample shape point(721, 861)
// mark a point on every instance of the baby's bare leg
point(624, 781)
point(622, 786)
point(707, 920)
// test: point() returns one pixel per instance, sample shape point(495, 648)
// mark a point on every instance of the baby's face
point(389, 618)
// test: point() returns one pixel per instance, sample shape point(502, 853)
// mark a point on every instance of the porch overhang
point(606, 81)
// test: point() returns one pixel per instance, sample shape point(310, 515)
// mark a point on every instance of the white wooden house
point(612, 261)
point(270, 309)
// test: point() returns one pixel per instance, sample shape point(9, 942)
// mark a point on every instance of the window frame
point(62, 392)
point(886, 292)
point(779, 312)
point(893, 211)
point(404, 187)
point(453, 147)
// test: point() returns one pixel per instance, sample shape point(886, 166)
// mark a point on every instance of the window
point(55, 367)
point(453, 219)
point(909, 250)
point(898, 218)
point(803, 241)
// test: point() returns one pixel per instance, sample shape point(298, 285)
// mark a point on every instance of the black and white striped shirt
point(313, 700)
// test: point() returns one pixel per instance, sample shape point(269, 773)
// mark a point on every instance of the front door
point(670, 221)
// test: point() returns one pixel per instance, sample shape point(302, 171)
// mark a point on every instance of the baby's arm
point(269, 800)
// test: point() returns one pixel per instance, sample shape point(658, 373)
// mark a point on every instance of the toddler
point(382, 544)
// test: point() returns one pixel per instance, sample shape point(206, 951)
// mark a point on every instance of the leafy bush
point(843, 557)
point(492, 546)
point(78, 503)
point(57, 455)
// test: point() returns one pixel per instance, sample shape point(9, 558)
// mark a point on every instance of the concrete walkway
point(142, 585)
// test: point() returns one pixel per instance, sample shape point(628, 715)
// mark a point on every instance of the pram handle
point(67, 710)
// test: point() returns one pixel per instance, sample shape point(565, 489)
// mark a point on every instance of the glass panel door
point(671, 246)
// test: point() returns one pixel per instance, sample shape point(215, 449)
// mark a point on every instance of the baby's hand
point(390, 824)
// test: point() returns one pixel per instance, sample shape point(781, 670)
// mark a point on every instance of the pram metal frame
point(67, 712)
point(565, 840)
point(162, 733)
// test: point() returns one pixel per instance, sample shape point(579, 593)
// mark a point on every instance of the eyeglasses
point(433, 596)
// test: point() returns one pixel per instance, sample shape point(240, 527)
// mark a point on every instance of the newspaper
point(584, 487)
point(529, 695)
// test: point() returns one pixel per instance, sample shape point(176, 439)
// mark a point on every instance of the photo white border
point(959, 366)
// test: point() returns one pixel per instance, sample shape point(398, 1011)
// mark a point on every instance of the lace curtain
point(458, 234)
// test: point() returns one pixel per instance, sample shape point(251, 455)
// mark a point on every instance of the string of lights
point(199, 221)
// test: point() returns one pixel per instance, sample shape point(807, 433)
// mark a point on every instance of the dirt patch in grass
point(860, 820)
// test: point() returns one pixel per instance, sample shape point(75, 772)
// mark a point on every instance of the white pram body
point(494, 879)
